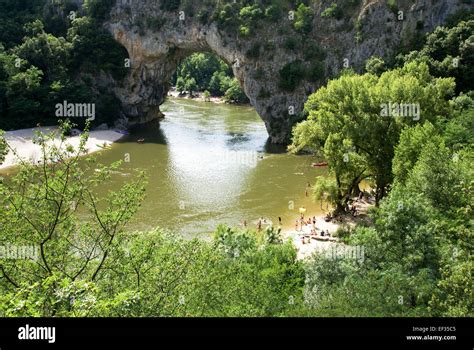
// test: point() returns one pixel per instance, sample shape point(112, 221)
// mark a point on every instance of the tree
point(326, 189)
point(457, 130)
point(375, 65)
point(449, 53)
point(46, 52)
point(201, 66)
point(40, 210)
point(408, 150)
point(235, 93)
point(190, 85)
point(352, 112)
point(444, 179)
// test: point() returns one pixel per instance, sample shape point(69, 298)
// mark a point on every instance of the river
point(209, 164)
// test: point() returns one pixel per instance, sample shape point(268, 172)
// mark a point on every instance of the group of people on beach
point(262, 221)
point(302, 222)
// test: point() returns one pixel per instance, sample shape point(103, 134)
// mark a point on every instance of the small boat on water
point(316, 165)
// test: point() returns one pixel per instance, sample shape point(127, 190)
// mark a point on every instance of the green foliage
point(3, 147)
point(447, 185)
point(235, 94)
point(290, 75)
point(333, 11)
point(170, 5)
point(409, 148)
point(13, 17)
point(375, 65)
point(313, 52)
point(303, 19)
point(358, 139)
point(227, 17)
point(316, 72)
point(460, 15)
point(219, 84)
point(87, 264)
point(449, 53)
point(412, 263)
point(204, 71)
point(201, 67)
point(417, 253)
point(99, 9)
point(291, 44)
point(457, 131)
point(273, 13)
point(41, 69)
point(392, 5)
point(49, 220)
point(325, 189)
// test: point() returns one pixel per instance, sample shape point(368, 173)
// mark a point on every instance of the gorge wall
point(157, 38)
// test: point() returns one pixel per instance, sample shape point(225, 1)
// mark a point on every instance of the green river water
point(211, 163)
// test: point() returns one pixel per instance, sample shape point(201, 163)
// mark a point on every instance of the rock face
point(157, 40)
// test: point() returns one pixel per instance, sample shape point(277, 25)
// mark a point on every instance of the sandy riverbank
point(307, 244)
point(197, 96)
point(22, 142)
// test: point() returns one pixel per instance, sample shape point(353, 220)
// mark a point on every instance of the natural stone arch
point(154, 58)
point(156, 40)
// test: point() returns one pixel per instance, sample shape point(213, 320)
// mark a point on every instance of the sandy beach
point(22, 142)
point(318, 243)
point(197, 96)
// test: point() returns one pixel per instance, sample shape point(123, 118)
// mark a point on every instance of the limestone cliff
point(157, 39)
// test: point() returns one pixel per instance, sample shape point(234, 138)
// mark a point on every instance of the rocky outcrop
point(157, 40)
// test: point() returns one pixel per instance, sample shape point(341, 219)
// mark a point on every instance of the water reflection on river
point(211, 164)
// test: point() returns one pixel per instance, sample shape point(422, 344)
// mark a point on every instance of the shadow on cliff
point(146, 133)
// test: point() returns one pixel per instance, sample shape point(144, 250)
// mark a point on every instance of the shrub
point(99, 9)
point(316, 72)
point(375, 65)
point(313, 52)
point(392, 5)
point(290, 75)
point(303, 19)
point(250, 14)
point(333, 11)
point(170, 5)
point(228, 16)
point(245, 31)
point(290, 44)
point(235, 93)
point(273, 13)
